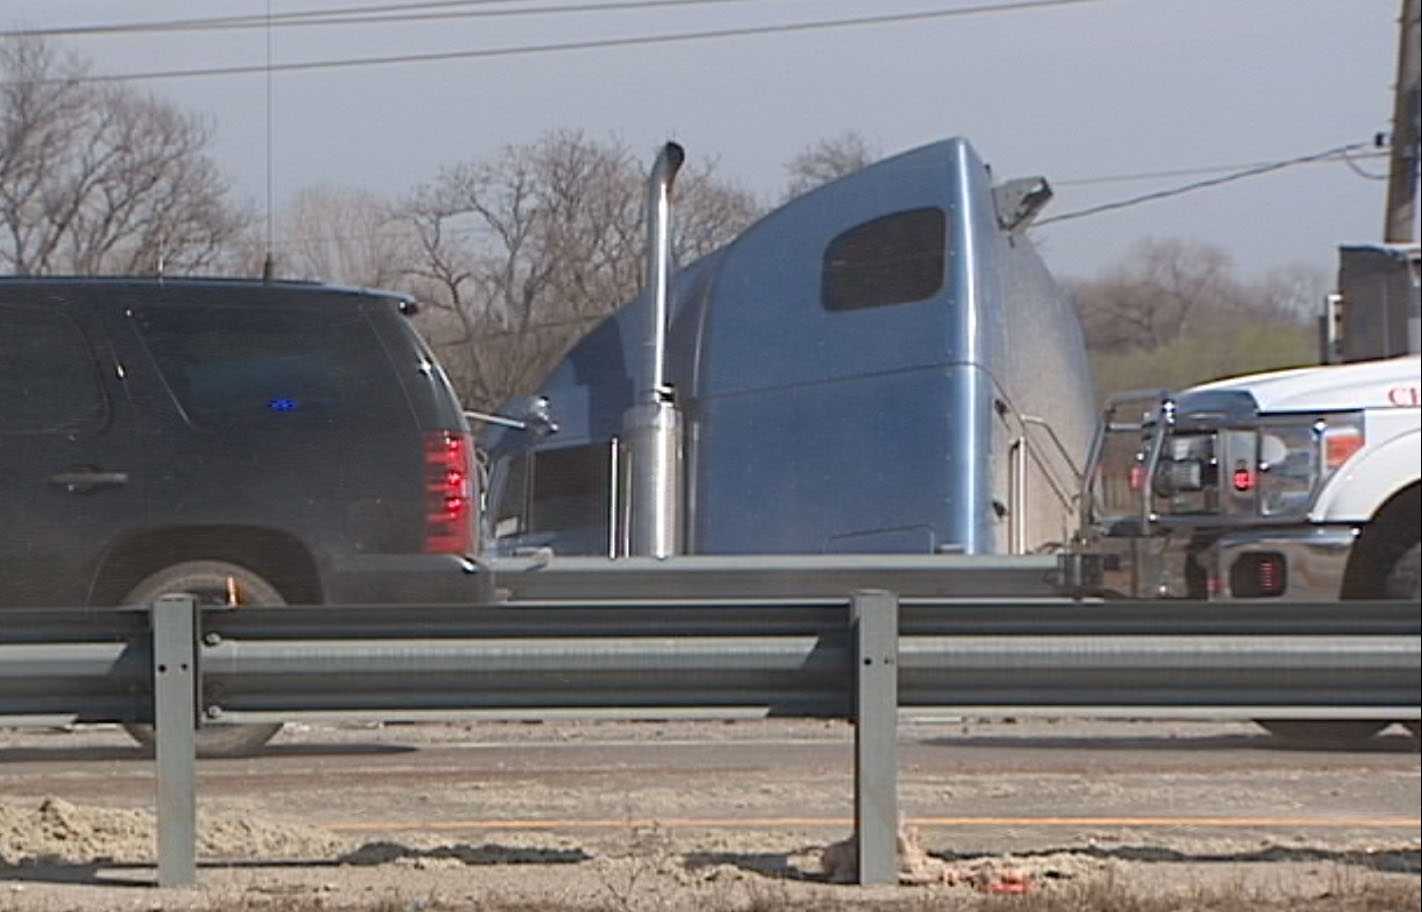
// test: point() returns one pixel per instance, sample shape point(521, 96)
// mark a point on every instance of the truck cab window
point(570, 488)
point(511, 510)
point(894, 259)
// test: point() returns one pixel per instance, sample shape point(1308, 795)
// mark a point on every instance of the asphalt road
point(1188, 788)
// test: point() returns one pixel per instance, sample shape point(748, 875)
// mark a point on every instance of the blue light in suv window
point(282, 405)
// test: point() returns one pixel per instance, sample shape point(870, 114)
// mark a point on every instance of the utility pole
point(1401, 221)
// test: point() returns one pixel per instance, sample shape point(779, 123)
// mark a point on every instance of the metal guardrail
point(785, 642)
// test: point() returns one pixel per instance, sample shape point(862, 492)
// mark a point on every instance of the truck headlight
point(1296, 459)
point(1288, 469)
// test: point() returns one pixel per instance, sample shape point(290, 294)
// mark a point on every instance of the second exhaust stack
point(651, 428)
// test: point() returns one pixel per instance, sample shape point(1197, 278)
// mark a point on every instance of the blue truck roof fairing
point(593, 385)
point(813, 429)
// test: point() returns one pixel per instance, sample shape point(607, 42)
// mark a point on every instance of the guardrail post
point(874, 618)
point(174, 720)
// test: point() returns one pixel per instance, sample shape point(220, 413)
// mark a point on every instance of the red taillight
point(450, 505)
point(1137, 477)
point(1243, 478)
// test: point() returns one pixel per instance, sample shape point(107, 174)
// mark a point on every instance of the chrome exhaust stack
point(659, 265)
point(651, 465)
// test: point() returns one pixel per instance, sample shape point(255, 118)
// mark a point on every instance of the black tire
point(1404, 579)
point(1330, 734)
point(207, 581)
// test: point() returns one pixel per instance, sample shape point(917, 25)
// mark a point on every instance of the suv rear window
point(236, 364)
point(47, 374)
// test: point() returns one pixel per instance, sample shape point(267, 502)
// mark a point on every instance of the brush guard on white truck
point(1201, 496)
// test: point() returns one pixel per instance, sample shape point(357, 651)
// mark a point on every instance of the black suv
point(254, 442)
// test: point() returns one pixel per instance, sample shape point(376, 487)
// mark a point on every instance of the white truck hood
point(1391, 383)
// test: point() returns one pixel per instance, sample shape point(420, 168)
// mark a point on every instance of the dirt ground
point(643, 816)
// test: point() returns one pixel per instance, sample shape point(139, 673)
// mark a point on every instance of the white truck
point(1298, 485)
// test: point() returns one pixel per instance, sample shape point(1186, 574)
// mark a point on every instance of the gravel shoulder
point(488, 816)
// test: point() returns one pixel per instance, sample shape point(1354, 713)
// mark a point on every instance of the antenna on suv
point(267, 265)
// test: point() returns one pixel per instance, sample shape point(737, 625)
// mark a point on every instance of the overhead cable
point(1201, 185)
point(591, 44)
point(1196, 170)
point(1251, 168)
point(353, 15)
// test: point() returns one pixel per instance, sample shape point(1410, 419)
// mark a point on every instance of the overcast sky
point(1075, 92)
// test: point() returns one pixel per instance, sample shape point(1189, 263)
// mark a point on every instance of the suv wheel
point(207, 581)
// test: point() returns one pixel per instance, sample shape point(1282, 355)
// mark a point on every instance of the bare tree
point(1151, 297)
point(710, 211)
point(826, 160)
point(102, 179)
point(473, 226)
point(523, 253)
point(1292, 293)
point(344, 235)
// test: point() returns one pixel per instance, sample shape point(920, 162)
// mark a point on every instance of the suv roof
point(215, 282)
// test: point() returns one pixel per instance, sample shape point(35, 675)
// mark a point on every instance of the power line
point(160, 25)
point(1250, 168)
point(1201, 185)
point(289, 241)
point(356, 15)
point(1203, 169)
point(593, 44)
point(1352, 162)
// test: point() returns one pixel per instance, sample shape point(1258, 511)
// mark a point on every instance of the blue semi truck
point(882, 365)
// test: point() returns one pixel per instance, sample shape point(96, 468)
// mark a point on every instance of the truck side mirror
point(536, 414)
point(1018, 201)
point(532, 415)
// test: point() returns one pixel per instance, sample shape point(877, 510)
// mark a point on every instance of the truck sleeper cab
point(859, 371)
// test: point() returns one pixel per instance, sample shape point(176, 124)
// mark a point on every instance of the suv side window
point(48, 379)
point(235, 364)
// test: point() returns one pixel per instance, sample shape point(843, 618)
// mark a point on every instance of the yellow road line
point(751, 823)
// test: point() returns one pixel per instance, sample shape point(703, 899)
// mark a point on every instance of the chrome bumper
point(1197, 566)
point(1315, 558)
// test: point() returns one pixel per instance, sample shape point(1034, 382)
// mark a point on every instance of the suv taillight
point(450, 502)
